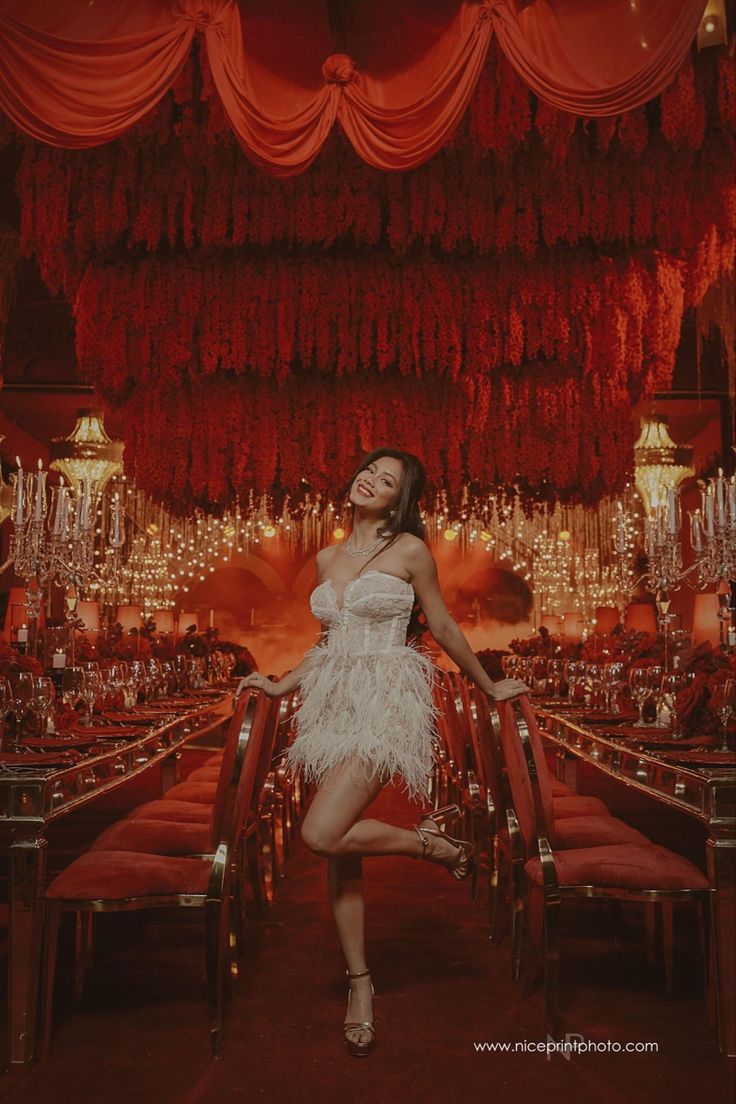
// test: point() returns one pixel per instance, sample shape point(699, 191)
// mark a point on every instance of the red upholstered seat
point(204, 774)
point(204, 792)
point(165, 809)
point(114, 875)
point(559, 789)
point(577, 805)
point(645, 866)
point(156, 837)
point(594, 831)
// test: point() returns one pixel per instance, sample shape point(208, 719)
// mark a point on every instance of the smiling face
point(376, 488)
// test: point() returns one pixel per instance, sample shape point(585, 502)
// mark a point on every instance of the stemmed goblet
point(723, 700)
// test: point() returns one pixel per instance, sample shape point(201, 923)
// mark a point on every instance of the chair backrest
point(527, 718)
point(485, 733)
point(254, 727)
point(227, 781)
point(522, 772)
point(448, 725)
point(278, 707)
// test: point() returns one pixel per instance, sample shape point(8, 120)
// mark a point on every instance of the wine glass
point(593, 681)
point(554, 677)
point(91, 690)
point(672, 684)
point(44, 696)
point(639, 687)
point(71, 686)
point(574, 670)
point(169, 677)
point(21, 685)
point(613, 678)
point(723, 700)
point(6, 698)
point(656, 674)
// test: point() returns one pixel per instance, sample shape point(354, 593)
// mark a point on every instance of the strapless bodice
point(374, 615)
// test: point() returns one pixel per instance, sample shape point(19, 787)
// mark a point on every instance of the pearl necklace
point(361, 551)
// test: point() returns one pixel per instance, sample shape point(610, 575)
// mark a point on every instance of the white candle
point(84, 499)
point(76, 530)
point(672, 511)
point(661, 527)
point(732, 500)
point(709, 515)
point(40, 486)
point(19, 493)
point(58, 659)
point(650, 523)
point(721, 497)
point(22, 637)
point(59, 510)
point(620, 529)
point(696, 531)
point(115, 523)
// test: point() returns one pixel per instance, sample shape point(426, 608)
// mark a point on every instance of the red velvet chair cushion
point(577, 805)
point(559, 789)
point(182, 811)
point(213, 759)
point(156, 837)
point(204, 774)
point(593, 831)
point(574, 833)
point(205, 792)
point(628, 866)
point(114, 875)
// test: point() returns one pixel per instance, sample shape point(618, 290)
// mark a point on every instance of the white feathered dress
point(369, 694)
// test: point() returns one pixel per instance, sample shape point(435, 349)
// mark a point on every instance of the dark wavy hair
point(406, 519)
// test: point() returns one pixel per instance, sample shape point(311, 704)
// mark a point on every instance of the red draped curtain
point(397, 76)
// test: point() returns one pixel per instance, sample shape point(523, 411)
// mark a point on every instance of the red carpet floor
point(140, 1031)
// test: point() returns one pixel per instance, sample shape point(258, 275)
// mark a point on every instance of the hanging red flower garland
point(208, 442)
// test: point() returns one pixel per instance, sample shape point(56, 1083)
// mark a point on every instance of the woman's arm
point(445, 630)
point(285, 685)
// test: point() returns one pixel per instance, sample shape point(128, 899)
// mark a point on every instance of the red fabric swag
point(397, 74)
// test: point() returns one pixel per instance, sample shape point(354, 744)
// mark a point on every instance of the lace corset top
point(375, 611)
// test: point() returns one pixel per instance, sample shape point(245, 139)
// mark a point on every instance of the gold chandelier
point(660, 464)
point(88, 454)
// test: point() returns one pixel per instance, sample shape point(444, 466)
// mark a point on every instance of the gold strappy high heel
point(355, 1048)
point(462, 864)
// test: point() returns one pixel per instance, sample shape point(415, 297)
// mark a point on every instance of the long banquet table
point(705, 792)
point(35, 795)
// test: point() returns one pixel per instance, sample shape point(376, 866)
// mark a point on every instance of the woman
point(367, 711)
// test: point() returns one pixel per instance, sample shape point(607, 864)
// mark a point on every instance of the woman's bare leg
point(331, 828)
point(335, 806)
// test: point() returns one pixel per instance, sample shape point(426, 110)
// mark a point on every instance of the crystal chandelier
point(88, 454)
point(660, 464)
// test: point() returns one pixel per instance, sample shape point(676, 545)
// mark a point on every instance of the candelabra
point(712, 537)
point(54, 536)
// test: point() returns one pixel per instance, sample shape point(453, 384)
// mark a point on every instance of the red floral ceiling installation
point(498, 310)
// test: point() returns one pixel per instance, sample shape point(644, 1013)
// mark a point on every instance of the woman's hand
point(508, 688)
point(256, 681)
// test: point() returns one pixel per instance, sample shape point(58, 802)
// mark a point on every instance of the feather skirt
point(377, 707)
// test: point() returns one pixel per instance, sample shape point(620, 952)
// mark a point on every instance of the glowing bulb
point(339, 533)
point(564, 534)
point(450, 535)
point(269, 531)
